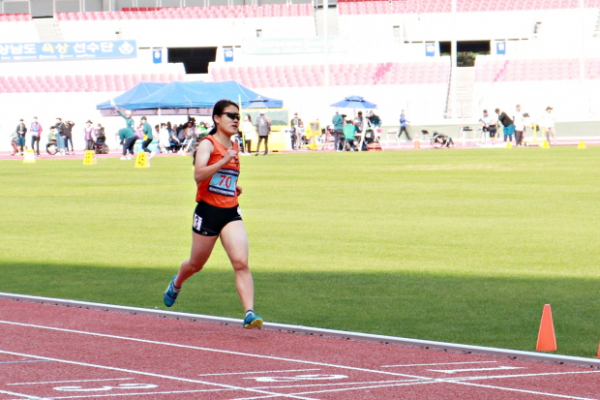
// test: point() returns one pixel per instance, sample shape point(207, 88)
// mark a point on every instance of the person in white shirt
point(488, 125)
point(519, 121)
point(249, 132)
point(547, 123)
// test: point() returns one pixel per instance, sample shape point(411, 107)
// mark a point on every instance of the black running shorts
point(210, 220)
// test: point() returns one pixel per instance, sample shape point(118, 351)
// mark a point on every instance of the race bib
point(224, 182)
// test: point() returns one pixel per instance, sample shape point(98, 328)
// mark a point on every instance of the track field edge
point(317, 332)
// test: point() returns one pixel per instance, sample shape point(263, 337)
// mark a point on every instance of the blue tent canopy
point(263, 102)
point(197, 95)
point(354, 102)
point(139, 91)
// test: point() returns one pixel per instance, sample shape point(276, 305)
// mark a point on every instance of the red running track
point(52, 352)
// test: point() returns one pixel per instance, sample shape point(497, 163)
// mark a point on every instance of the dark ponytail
point(217, 110)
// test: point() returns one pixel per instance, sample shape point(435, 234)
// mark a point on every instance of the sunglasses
point(233, 115)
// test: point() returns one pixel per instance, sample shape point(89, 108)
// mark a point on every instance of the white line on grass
point(73, 381)
point(161, 376)
point(262, 372)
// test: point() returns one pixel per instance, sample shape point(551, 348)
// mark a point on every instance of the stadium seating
point(80, 83)
point(249, 11)
point(339, 74)
point(15, 17)
point(529, 70)
point(346, 7)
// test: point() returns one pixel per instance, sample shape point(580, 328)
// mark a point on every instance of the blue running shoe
point(170, 294)
point(253, 321)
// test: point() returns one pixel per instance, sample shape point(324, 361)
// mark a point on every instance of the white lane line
point(208, 349)
point(454, 371)
point(21, 361)
point(422, 379)
point(461, 381)
point(562, 396)
point(368, 387)
point(262, 372)
point(89, 396)
point(475, 378)
point(81, 380)
point(447, 363)
point(308, 385)
point(161, 376)
point(21, 395)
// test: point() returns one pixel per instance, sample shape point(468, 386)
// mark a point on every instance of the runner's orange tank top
point(219, 190)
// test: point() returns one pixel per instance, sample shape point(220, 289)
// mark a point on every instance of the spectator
point(507, 123)
point(52, 138)
point(294, 124)
point(189, 135)
point(89, 134)
point(338, 129)
point(127, 135)
point(519, 120)
point(403, 126)
point(547, 123)
point(60, 144)
point(68, 134)
point(249, 132)
point(14, 139)
point(360, 120)
point(263, 127)
point(100, 136)
point(59, 128)
point(36, 134)
point(301, 134)
point(488, 125)
point(349, 135)
point(173, 140)
point(147, 135)
point(21, 132)
point(99, 131)
point(164, 142)
point(374, 119)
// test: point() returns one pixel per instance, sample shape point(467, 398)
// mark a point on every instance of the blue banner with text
point(58, 51)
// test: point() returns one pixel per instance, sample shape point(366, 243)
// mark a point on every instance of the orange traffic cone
point(598, 351)
point(546, 338)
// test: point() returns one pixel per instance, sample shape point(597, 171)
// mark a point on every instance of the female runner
point(217, 167)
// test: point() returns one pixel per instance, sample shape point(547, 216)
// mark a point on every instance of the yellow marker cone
point(508, 145)
point(545, 145)
point(89, 158)
point(581, 145)
point(29, 157)
point(141, 160)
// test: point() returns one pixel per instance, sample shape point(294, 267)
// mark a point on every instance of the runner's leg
point(202, 247)
point(235, 242)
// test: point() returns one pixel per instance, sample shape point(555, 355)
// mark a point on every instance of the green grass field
point(462, 246)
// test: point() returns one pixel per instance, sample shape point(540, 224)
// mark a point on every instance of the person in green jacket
point(148, 138)
point(127, 135)
point(338, 123)
point(350, 134)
